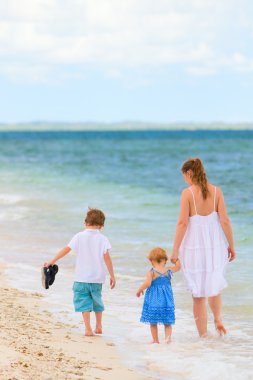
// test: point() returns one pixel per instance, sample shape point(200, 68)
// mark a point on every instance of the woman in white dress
point(200, 241)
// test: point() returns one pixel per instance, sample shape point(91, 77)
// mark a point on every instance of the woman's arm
point(225, 224)
point(63, 252)
point(181, 225)
point(145, 284)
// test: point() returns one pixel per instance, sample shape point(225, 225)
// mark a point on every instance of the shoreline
point(35, 345)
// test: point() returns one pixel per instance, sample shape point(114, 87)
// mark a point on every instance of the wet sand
point(34, 345)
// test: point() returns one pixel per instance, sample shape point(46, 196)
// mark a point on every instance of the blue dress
point(158, 305)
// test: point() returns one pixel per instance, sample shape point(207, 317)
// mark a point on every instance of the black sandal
point(48, 275)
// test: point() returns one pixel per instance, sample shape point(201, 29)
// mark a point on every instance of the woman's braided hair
point(198, 174)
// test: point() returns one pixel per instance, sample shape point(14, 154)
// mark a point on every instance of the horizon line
point(47, 122)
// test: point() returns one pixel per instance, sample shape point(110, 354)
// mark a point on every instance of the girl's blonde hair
point(198, 174)
point(157, 254)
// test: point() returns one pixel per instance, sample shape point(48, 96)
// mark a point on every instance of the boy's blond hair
point(95, 217)
point(157, 254)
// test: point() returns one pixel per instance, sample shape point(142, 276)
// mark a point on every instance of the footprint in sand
point(104, 368)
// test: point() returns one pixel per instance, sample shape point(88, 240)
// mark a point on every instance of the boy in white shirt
point(92, 249)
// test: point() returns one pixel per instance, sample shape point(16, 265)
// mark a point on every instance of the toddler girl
point(158, 306)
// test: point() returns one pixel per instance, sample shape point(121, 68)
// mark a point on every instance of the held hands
point(231, 254)
point(174, 257)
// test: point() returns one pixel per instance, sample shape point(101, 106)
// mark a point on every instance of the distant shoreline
point(123, 126)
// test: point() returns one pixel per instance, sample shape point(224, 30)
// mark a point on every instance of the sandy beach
point(34, 345)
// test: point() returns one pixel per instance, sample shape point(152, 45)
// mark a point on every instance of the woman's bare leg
point(200, 315)
point(215, 304)
point(154, 333)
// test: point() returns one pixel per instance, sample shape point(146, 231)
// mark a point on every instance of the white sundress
point(204, 254)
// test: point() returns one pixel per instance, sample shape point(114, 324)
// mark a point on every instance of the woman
point(200, 240)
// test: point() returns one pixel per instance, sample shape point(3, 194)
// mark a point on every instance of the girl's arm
point(176, 267)
point(108, 263)
point(225, 224)
point(181, 225)
point(145, 284)
point(63, 252)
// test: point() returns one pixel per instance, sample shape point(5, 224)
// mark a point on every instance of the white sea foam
point(7, 199)
point(127, 277)
point(123, 311)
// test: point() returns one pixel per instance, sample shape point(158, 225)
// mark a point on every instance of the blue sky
point(98, 60)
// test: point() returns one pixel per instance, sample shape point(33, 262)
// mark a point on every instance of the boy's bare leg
point(154, 333)
point(168, 332)
point(215, 304)
point(86, 320)
point(200, 315)
point(98, 322)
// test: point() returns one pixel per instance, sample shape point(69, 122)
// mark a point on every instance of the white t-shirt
point(90, 246)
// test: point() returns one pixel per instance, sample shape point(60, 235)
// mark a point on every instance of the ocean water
point(49, 179)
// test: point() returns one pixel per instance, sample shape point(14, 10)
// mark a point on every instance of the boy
point(92, 249)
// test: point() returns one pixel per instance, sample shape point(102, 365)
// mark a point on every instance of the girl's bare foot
point(89, 333)
point(220, 328)
point(99, 330)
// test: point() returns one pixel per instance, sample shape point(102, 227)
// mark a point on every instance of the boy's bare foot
point(168, 339)
point(220, 328)
point(89, 333)
point(99, 330)
point(154, 342)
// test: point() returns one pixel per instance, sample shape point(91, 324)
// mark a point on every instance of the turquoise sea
point(49, 179)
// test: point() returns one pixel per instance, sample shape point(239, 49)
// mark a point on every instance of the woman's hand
point(231, 254)
point(174, 257)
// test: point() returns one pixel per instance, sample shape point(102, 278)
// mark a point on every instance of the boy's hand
point(112, 282)
point(139, 293)
point(63, 252)
point(48, 263)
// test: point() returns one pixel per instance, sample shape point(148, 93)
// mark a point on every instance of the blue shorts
point(87, 297)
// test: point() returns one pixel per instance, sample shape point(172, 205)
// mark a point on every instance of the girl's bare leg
point(154, 333)
point(86, 320)
point(200, 315)
point(215, 304)
point(98, 329)
point(168, 332)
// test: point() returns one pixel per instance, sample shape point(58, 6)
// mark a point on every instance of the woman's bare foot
point(89, 333)
point(220, 328)
point(99, 330)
